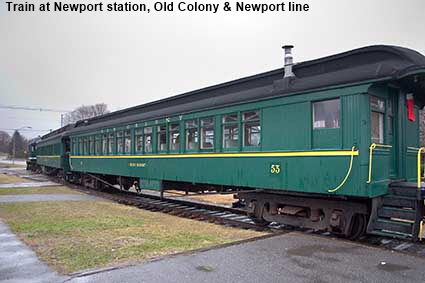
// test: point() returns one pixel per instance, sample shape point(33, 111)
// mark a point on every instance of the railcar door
point(392, 131)
point(384, 129)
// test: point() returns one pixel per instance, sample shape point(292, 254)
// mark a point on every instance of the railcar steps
point(401, 212)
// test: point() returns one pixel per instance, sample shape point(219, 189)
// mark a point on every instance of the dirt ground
point(217, 199)
point(224, 199)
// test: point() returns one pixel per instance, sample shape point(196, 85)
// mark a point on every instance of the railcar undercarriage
point(347, 218)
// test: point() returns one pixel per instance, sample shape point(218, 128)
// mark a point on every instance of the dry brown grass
point(8, 165)
point(10, 179)
point(73, 236)
point(39, 190)
point(224, 199)
point(216, 199)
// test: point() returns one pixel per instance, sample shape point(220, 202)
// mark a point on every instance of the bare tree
point(85, 112)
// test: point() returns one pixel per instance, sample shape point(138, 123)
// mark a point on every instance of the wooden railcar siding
point(286, 126)
point(51, 154)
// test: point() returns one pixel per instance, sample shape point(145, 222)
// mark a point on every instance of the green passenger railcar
point(53, 152)
point(322, 144)
point(32, 155)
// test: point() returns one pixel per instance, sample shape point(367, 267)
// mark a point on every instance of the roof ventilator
point(289, 61)
point(289, 76)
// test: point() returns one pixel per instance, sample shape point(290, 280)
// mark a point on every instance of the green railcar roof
point(368, 64)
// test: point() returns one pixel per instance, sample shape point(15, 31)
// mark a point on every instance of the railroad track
point(237, 218)
point(197, 211)
point(201, 211)
point(224, 215)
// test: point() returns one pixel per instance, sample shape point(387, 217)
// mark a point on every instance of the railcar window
point(92, 145)
point(120, 146)
point(98, 145)
point(67, 146)
point(174, 136)
point(80, 146)
point(377, 127)
point(230, 118)
point(251, 128)
point(74, 146)
point(207, 133)
point(390, 117)
point(377, 106)
point(326, 114)
point(139, 140)
point(111, 143)
point(105, 144)
point(162, 138)
point(192, 137)
point(147, 131)
point(230, 131)
point(86, 145)
point(127, 142)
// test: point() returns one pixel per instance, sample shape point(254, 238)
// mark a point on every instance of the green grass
point(73, 236)
point(38, 190)
point(9, 179)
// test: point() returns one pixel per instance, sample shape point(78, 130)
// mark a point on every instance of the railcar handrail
point(420, 151)
point(353, 150)
point(371, 148)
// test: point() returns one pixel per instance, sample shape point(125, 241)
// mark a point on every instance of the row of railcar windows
point(239, 129)
point(199, 134)
point(52, 149)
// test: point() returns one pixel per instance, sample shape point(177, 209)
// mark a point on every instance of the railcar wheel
point(256, 213)
point(358, 227)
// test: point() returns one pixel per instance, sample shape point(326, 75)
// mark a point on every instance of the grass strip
point(38, 190)
point(73, 236)
point(9, 179)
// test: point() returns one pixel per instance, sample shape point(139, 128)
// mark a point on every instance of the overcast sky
point(64, 60)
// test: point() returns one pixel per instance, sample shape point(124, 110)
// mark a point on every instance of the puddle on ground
point(205, 268)
point(391, 267)
point(302, 264)
point(309, 250)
